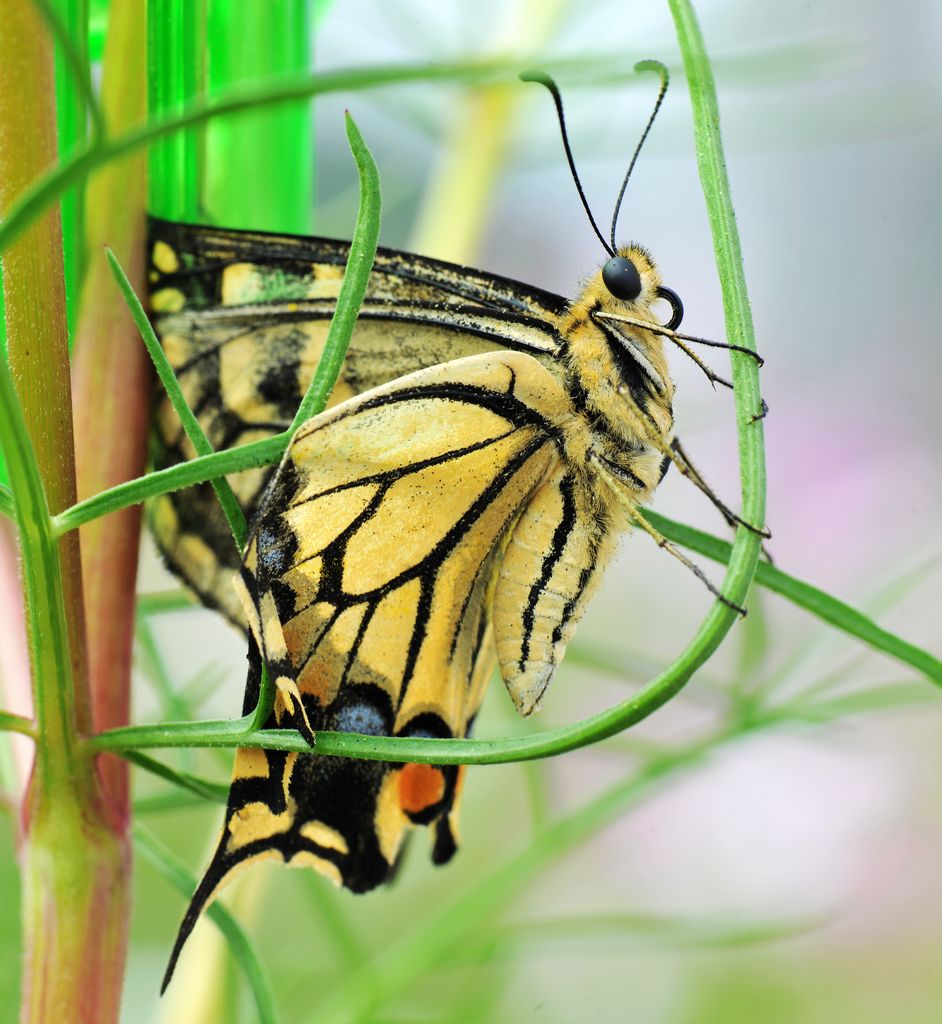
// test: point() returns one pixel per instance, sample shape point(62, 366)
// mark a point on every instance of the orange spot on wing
point(420, 786)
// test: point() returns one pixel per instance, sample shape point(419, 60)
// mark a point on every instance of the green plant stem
point(37, 335)
point(156, 602)
point(260, 42)
point(202, 788)
point(177, 50)
point(75, 115)
point(170, 867)
point(6, 501)
point(810, 598)
point(16, 723)
point(74, 870)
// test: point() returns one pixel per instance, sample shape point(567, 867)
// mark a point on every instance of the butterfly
point(455, 506)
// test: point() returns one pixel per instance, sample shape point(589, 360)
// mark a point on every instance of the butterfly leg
point(621, 483)
point(638, 519)
point(678, 455)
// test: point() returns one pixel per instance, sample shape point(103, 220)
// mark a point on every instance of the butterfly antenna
point(642, 65)
point(543, 79)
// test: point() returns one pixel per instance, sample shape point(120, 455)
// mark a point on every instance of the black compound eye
point(621, 278)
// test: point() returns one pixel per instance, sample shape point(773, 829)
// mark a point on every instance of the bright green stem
point(76, 106)
point(176, 68)
point(232, 460)
point(256, 40)
point(16, 723)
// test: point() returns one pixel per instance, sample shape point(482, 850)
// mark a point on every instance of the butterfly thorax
point(617, 375)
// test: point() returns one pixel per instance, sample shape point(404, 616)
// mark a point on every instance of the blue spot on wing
point(272, 553)
point(364, 718)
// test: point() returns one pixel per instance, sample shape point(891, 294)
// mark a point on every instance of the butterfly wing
point(368, 581)
point(243, 318)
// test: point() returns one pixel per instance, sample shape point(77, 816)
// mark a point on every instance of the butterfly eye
point(621, 278)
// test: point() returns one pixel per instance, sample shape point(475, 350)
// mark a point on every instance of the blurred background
point(783, 874)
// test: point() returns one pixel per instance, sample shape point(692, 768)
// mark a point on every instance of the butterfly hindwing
point(369, 580)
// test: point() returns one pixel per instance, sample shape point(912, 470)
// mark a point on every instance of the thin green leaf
point(175, 800)
point(806, 596)
point(355, 279)
point(174, 478)
point(158, 601)
point(170, 867)
point(191, 425)
point(6, 502)
point(203, 788)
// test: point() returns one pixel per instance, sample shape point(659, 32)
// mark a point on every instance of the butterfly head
point(631, 278)
point(608, 348)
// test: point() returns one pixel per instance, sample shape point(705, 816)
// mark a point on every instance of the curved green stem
point(356, 277)
point(88, 159)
